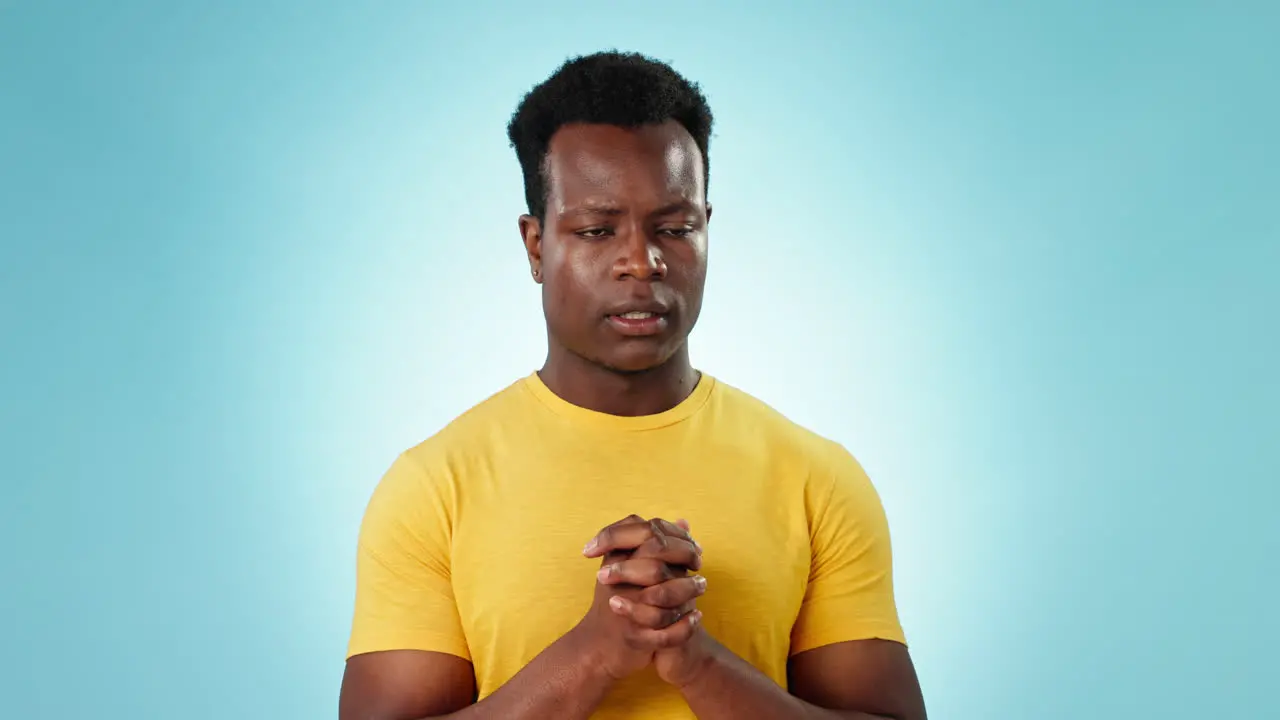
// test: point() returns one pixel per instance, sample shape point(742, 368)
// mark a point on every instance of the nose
point(640, 258)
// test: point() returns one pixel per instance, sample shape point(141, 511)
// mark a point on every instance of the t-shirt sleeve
point(404, 595)
point(850, 593)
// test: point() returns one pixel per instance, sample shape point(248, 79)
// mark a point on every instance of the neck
point(630, 394)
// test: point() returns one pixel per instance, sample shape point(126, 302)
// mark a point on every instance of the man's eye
point(593, 232)
point(677, 231)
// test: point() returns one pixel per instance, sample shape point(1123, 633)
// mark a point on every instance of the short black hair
point(626, 89)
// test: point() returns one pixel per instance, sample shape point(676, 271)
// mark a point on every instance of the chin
point(637, 359)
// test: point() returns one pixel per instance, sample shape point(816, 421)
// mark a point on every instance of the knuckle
point(657, 618)
point(649, 547)
point(647, 573)
point(684, 593)
point(620, 570)
point(655, 527)
point(652, 596)
point(635, 620)
point(679, 633)
point(634, 567)
point(640, 617)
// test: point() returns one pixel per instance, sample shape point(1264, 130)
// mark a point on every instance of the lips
point(639, 321)
point(650, 306)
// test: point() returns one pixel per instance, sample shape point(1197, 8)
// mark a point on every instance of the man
point(745, 564)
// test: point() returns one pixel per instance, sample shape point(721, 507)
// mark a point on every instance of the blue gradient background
point(1022, 258)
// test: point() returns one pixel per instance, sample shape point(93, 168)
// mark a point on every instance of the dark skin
point(626, 230)
point(625, 227)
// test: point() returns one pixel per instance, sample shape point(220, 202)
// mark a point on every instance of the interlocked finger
point(642, 638)
point(636, 571)
point(673, 593)
point(649, 616)
point(673, 551)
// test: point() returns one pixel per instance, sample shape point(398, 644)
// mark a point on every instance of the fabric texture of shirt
point(471, 544)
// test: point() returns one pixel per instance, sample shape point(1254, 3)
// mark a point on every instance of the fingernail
point(604, 573)
point(701, 582)
point(695, 618)
point(590, 546)
point(617, 603)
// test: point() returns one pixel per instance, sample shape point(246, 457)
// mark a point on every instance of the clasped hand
point(644, 609)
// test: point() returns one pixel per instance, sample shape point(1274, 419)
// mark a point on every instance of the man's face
point(622, 255)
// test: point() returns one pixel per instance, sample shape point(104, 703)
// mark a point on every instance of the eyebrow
point(679, 206)
point(591, 208)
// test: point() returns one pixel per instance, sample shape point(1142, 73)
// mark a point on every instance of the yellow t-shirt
point(472, 542)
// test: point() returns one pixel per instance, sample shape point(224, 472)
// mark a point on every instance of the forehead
point(650, 161)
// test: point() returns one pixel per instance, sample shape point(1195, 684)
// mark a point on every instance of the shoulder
point(475, 430)
point(825, 466)
point(763, 423)
point(433, 465)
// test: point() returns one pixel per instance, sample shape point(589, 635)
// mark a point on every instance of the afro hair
point(626, 89)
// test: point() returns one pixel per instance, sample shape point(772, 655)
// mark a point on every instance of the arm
point(856, 680)
point(848, 654)
point(416, 685)
point(408, 657)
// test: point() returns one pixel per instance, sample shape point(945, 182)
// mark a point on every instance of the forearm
point(728, 687)
point(561, 682)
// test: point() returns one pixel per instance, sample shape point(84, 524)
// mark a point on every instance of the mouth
point(638, 323)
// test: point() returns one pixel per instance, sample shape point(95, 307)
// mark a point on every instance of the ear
point(531, 234)
point(708, 235)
